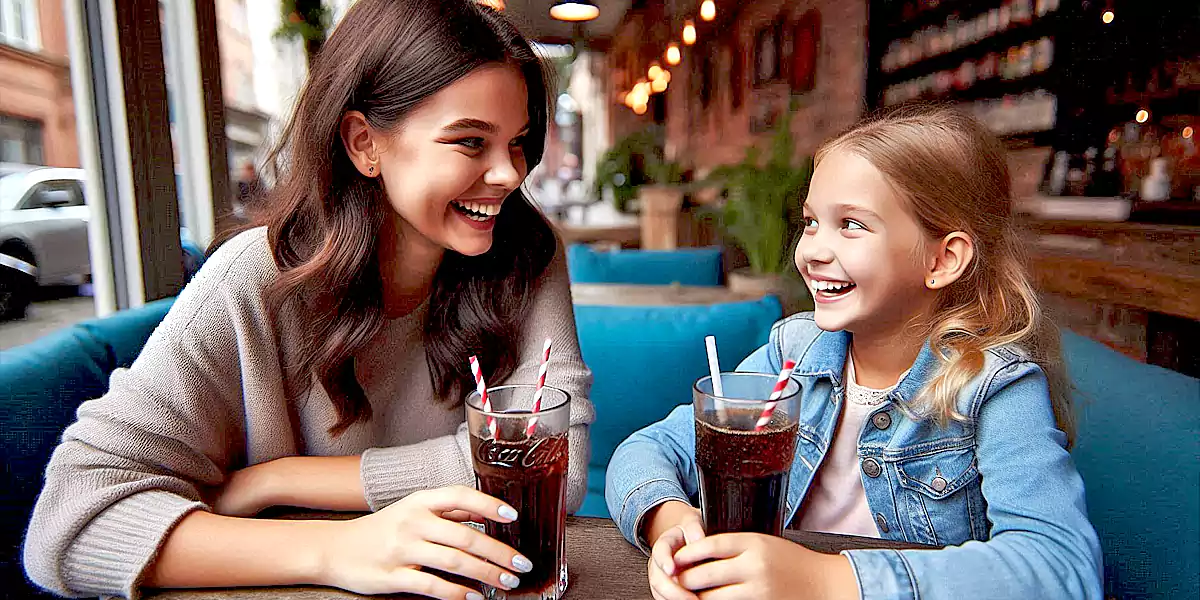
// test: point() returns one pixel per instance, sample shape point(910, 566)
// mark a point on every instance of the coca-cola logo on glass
point(541, 452)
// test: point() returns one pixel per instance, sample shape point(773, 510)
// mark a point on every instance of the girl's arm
point(657, 464)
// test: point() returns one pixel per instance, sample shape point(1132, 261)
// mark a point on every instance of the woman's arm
point(315, 482)
point(137, 459)
point(207, 550)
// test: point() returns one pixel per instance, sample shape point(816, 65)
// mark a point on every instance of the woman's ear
point(951, 260)
point(359, 139)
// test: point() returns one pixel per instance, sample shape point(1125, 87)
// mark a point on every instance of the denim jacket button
point(882, 420)
point(871, 467)
point(938, 484)
point(881, 523)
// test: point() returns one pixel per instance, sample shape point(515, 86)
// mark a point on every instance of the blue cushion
point(125, 332)
point(593, 503)
point(41, 386)
point(1137, 450)
point(645, 360)
point(686, 266)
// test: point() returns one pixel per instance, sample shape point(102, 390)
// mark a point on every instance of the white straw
point(714, 367)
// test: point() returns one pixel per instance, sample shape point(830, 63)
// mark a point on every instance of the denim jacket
point(997, 489)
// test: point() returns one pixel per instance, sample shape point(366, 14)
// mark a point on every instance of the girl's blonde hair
point(954, 174)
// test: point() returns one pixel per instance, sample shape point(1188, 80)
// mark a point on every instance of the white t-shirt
point(836, 501)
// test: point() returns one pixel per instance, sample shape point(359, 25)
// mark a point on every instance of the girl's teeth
point(829, 286)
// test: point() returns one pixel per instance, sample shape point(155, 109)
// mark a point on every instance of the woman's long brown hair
point(324, 219)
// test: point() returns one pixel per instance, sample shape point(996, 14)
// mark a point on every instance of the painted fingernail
point(474, 596)
point(508, 512)
point(522, 564)
point(509, 580)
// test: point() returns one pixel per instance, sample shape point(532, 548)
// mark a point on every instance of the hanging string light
point(708, 10)
point(689, 33)
point(673, 55)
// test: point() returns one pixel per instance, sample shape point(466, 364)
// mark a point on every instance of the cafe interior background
point(132, 131)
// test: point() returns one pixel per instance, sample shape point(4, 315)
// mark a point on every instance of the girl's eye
point(518, 143)
point(809, 222)
point(473, 143)
point(852, 225)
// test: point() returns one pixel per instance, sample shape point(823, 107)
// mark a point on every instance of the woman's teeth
point(476, 211)
point(831, 287)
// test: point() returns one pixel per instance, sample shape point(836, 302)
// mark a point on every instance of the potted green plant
point(762, 213)
point(636, 160)
point(636, 169)
point(306, 20)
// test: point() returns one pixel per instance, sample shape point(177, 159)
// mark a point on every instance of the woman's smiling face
point(453, 161)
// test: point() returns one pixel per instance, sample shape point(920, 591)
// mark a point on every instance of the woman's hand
point(385, 552)
point(679, 524)
point(737, 566)
point(316, 482)
point(249, 491)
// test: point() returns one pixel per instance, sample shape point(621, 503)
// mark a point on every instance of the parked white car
point(44, 221)
point(43, 232)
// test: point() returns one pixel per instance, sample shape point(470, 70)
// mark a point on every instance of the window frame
point(30, 39)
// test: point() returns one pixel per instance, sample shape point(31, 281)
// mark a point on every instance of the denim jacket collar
point(826, 357)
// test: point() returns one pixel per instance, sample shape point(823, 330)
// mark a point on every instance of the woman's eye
point(518, 143)
point(852, 225)
point(809, 222)
point(472, 143)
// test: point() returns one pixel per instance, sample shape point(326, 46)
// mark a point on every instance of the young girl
point(934, 409)
point(320, 359)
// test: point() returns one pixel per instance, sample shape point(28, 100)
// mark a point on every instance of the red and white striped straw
point(780, 385)
point(481, 387)
point(537, 393)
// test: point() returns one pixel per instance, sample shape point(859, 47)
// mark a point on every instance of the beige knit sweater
point(209, 395)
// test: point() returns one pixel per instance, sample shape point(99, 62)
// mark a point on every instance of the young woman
point(319, 359)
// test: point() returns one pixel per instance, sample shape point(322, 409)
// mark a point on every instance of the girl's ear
point(951, 260)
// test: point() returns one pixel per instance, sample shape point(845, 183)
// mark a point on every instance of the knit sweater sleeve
point(135, 461)
point(389, 474)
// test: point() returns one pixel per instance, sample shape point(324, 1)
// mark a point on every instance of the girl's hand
point(385, 552)
point(751, 566)
point(683, 526)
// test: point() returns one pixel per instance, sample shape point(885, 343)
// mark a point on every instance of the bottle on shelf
point(1043, 54)
point(1058, 174)
point(1107, 180)
point(1157, 185)
point(1022, 11)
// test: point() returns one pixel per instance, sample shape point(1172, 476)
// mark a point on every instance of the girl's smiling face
point(862, 253)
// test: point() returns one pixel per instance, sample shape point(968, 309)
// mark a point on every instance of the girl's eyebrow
point(854, 208)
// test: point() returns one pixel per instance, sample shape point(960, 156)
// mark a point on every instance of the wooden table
point(609, 294)
point(601, 564)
